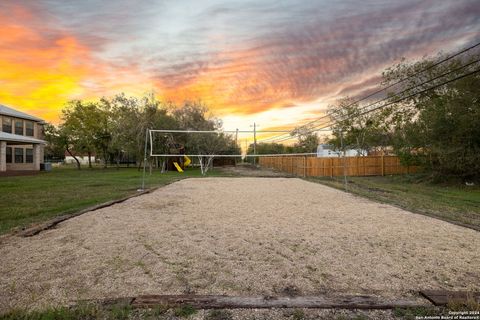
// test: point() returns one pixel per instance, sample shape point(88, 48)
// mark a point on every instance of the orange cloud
point(233, 82)
point(292, 67)
point(37, 78)
point(39, 71)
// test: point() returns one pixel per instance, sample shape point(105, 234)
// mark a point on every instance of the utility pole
point(344, 161)
point(254, 143)
point(246, 149)
point(236, 144)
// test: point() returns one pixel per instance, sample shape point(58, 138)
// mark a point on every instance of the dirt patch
point(249, 170)
point(239, 236)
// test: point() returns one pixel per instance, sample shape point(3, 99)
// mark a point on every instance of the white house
point(327, 150)
point(82, 158)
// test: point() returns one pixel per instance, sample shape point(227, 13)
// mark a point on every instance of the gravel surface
point(239, 236)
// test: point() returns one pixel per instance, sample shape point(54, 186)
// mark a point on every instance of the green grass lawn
point(28, 199)
point(450, 202)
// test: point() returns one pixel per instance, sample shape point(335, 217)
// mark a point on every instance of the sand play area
point(239, 236)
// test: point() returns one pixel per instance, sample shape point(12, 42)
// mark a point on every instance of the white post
point(254, 143)
point(344, 161)
point(145, 159)
point(202, 170)
point(36, 156)
point(236, 143)
point(3, 156)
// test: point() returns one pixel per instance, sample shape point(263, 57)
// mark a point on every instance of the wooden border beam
point(444, 297)
point(265, 302)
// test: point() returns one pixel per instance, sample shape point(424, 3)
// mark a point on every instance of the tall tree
point(194, 116)
point(353, 128)
point(307, 141)
point(55, 148)
point(123, 114)
point(87, 125)
point(439, 128)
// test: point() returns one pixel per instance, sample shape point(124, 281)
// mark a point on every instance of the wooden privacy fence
point(311, 166)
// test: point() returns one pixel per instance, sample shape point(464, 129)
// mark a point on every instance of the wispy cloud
point(240, 57)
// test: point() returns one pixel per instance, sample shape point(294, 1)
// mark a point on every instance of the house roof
point(19, 139)
point(7, 111)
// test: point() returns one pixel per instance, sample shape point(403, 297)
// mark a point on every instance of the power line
point(329, 123)
point(278, 139)
point(411, 95)
point(411, 76)
point(217, 131)
point(413, 87)
point(386, 98)
point(389, 86)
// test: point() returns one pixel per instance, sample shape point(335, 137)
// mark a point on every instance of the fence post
point(331, 167)
point(304, 166)
point(358, 167)
point(383, 165)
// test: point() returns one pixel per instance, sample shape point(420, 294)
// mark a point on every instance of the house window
point(18, 155)
point(29, 155)
point(9, 154)
point(29, 129)
point(19, 127)
point(7, 125)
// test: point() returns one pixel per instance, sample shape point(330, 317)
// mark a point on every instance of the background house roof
point(7, 111)
point(19, 139)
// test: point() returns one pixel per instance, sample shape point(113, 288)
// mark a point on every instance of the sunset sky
point(278, 63)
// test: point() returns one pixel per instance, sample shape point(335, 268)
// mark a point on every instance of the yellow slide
point(178, 167)
point(187, 161)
